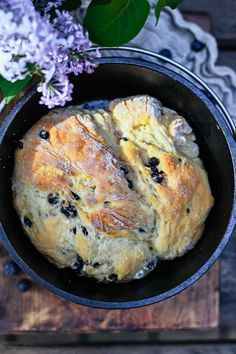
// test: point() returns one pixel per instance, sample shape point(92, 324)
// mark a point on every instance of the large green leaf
point(11, 89)
point(162, 3)
point(115, 22)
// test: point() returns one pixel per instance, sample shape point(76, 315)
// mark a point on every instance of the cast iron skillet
point(120, 77)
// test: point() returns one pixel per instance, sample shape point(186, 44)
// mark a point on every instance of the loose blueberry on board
point(166, 53)
point(113, 277)
point(197, 46)
point(24, 285)
point(10, 268)
point(53, 198)
point(44, 134)
point(27, 222)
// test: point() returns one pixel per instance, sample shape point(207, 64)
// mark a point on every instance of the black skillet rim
point(225, 238)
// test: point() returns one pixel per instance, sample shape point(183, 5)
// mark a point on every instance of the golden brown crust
point(121, 221)
point(74, 149)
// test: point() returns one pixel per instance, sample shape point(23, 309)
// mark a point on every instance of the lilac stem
point(2, 105)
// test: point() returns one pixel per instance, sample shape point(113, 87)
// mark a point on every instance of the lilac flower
point(51, 4)
point(77, 39)
point(57, 92)
point(45, 6)
point(54, 50)
point(78, 43)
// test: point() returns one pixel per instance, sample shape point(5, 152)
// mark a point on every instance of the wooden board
point(38, 310)
point(222, 348)
point(222, 15)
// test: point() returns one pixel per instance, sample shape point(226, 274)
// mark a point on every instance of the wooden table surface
point(220, 18)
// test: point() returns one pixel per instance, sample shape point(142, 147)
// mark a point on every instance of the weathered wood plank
point(196, 307)
point(222, 14)
point(228, 284)
point(131, 349)
point(202, 20)
point(228, 58)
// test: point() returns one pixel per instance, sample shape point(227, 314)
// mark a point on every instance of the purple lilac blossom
point(51, 4)
point(56, 92)
point(54, 49)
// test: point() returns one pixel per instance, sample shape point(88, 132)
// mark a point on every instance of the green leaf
point(113, 22)
point(162, 3)
point(70, 5)
point(11, 89)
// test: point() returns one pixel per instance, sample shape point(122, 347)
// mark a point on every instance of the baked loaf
point(108, 192)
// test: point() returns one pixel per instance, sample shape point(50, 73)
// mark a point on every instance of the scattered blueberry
point(124, 169)
point(130, 183)
point(84, 230)
point(153, 162)
point(27, 221)
point(10, 268)
point(180, 160)
point(187, 210)
point(78, 265)
point(69, 211)
point(24, 285)
point(124, 138)
point(151, 265)
point(141, 230)
point(113, 277)
point(96, 265)
point(166, 53)
point(53, 198)
point(157, 176)
point(75, 196)
point(197, 46)
point(20, 144)
point(44, 134)
point(74, 230)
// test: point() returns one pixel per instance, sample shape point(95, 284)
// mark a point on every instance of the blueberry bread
point(108, 192)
